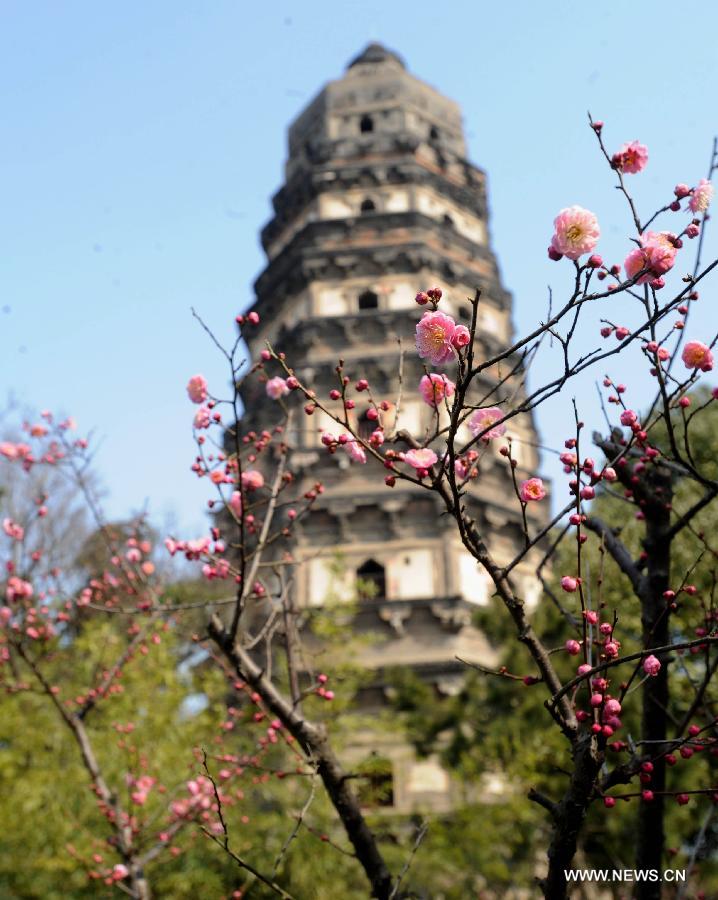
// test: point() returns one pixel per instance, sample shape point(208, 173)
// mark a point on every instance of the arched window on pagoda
point(366, 124)
point(367, 206)
point(368, 300)
point(371, 580)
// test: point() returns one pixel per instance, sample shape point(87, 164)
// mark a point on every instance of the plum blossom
point(17, 589)
point(461, 337)
point(354, 451)
point(197, 389)
point(631, 158)
point(252, 480)
point(576, 232)
point(120, 871)
point(435, 388)
point(697, 355)
point(701, 196)
point(14, 451)
point(421, 459)
point(201, 797)
point(434, 334)
point(202, 418)
point(484, 419)
point(628, 417)
point(651, 665)
point(276, 388)
point(235, 503)
point(13, 530)
point(532, 489)
point(657, 254)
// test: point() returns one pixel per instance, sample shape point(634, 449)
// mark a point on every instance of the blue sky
point(142, 142)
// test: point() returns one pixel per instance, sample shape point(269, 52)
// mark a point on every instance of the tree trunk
point(570, 813)
point(654, 717)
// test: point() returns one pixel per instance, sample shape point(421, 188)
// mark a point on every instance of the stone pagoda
point(379, 202)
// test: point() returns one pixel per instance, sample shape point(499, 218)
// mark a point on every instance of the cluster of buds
point(433, 295)
point(322, 691)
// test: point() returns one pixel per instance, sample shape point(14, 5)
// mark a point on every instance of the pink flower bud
point(651, 665)
point(569, 584)
point(628, 417)
point(461, 336)
point(572, 647)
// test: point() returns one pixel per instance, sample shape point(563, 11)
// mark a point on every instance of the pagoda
point(380, 201)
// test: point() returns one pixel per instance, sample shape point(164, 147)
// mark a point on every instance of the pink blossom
point(8, 450)
point(235, 503)
point(631, 158)
point(17, 589)
point(634, 263)
point(628, 417)
point(483, 421)
point(421, 459)
point(532, 489)
point(120, 871)
point(461, 337)
point(435, 388)
point(252, 480)
point(572, 647)
point(657, 254)
point(13, 530)
point(697, 356)
point(569, 584)
point(197, 389)
point(660, 250)
point(701, 196)
point(433, 337)
point(576, 232)
point(276, 388)
point(202, 418)
point(354, 451)
point(651, 665)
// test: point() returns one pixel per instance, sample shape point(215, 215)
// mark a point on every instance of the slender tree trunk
point(570, 813)
point(654, 715)
point(315, 742)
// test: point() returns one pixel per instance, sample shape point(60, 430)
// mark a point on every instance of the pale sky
point(142, 142)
